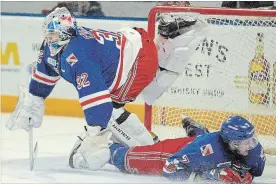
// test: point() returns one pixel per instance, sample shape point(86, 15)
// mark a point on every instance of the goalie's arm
point(43, 78)
point(94, 96)
point(30, 105)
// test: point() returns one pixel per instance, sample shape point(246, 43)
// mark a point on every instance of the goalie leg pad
point(91, 151)
point(127, 129)
point(163, 80)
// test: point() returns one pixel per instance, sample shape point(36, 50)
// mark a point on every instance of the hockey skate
point(191, 127)
point(91, 150)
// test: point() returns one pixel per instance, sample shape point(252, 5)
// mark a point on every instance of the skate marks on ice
point(56, 137)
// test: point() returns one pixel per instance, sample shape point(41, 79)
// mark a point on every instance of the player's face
point(52, 37)
point(244, 146)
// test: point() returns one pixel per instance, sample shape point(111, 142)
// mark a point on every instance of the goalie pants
point(148, 160)
point(142, 72)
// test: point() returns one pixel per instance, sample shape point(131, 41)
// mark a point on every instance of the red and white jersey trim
point(45, 79)
point(117, 80)
point(130, 46)
point(95, 99)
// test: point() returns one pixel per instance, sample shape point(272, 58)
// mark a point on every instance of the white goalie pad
point(175, 53)
point(130, 131)
point(93, 152)
point(173, 56)
point(159, 85)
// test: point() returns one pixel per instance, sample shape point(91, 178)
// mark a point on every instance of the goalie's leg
point(174, 53)
point(127, 129)
point(91, 150)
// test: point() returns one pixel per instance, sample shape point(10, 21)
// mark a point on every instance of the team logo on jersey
point(52, 61)
point(185, 159)
point(72, 59)
point(206, 150)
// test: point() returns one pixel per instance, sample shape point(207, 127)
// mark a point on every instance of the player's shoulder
point(78, 57)
point(211, 141)
point(208, 137)
point(44, 50)
point(258, 151)
point(76, 49)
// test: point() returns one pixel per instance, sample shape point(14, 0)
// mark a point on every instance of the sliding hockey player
point(231, 155)
point(108, 70)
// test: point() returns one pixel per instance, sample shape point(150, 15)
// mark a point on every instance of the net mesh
point(233, 72)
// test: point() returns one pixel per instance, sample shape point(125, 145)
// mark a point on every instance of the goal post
point(233, 72)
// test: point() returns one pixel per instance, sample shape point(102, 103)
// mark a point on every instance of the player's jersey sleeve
point(180, 165)
point(204, 153)
point(256, 160)
point(94, 95)
point(44, 77)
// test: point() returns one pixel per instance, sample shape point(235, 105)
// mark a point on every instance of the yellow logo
point(11, 50)
point(255, 67)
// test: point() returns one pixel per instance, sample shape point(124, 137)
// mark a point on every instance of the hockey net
point(224, 77)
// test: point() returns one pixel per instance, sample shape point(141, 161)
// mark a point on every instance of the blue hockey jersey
point(89, 62)
point(207, 152)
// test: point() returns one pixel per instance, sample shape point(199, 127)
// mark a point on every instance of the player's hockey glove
point(193, 128)
point(229, 175)
point(28, 112)
point(240, 168)
point(172, 26)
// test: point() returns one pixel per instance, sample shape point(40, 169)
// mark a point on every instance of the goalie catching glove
point(28, 112)
point(172, 26)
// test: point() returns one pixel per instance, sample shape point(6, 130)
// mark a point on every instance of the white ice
point(55, 139)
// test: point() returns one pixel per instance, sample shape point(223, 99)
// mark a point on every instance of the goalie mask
point(240, 134)
point(59, 28)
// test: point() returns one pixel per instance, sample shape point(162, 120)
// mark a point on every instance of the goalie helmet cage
point(164, 115)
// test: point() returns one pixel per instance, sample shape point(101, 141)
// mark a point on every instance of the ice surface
point(55, 139)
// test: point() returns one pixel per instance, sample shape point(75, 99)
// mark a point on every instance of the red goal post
point(148, 119)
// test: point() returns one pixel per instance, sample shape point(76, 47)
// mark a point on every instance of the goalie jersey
point(89, 62)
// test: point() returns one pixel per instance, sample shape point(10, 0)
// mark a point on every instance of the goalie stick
point(32, 148)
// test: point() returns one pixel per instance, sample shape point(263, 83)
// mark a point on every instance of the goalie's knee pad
point(127, 129)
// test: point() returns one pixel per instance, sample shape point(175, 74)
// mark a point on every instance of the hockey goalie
point(108, 70)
